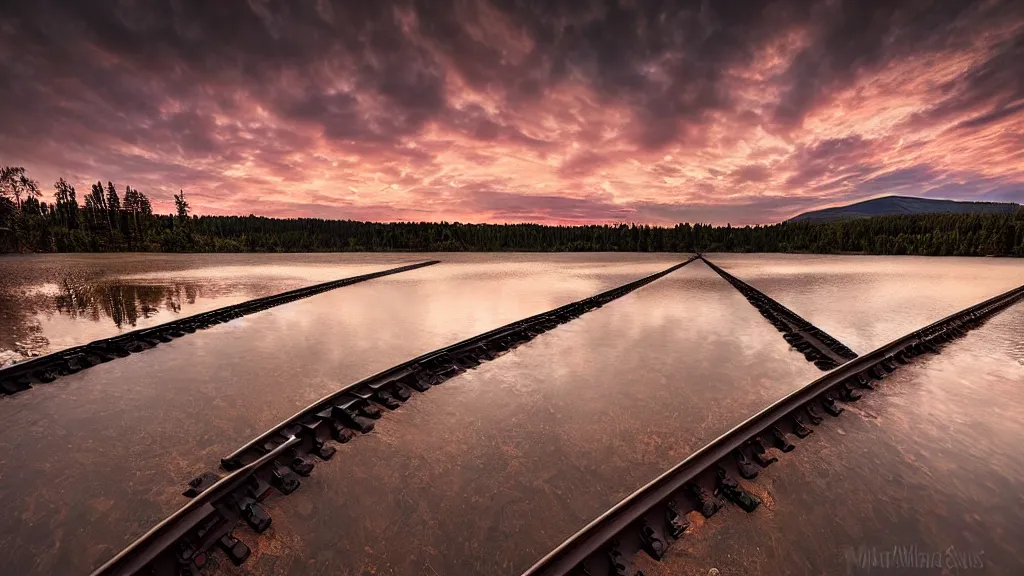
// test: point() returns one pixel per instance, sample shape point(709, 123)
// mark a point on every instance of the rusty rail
point(652, 518)
point(815, 344)
point(274, 461)
point(21, 376)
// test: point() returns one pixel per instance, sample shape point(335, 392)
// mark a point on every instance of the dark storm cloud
point(289, 53)
point(284, 95)
point(125, 55)
point(995, 87)
point(666, 60)
point(858, 37)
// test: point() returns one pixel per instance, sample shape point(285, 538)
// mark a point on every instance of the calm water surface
point(495, 466)
point(50, 302)
point(486, 473)
point(931, 460)
point(868, 301)
point(54, 301)
point(110, 448)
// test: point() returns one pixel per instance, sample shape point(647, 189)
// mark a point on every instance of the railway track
point(23, 375)
point(275, 462)
point(653, 518)
point(815, 344)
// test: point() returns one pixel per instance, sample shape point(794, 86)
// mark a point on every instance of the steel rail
point(23, 375)
point(273, 461)
point(443, 362)
point(816, 345)
point(139, 554)
point(654, 516)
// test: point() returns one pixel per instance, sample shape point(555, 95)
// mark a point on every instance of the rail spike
point(652, 540)
point(732, 490)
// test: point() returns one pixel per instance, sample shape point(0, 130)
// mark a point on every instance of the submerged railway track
point(721, 474)
point(649, 521)
point(275, 462)
point(23, 375)
point(815, 344)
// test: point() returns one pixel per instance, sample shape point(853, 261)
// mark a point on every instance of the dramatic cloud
point(738, 111)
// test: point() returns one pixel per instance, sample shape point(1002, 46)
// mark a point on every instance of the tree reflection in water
point(24, 313)
point(22, 335)
point(123, 303)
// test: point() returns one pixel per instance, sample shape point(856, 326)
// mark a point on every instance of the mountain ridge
point(895, 205)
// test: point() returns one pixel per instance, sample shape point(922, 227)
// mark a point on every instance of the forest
point(109, 221)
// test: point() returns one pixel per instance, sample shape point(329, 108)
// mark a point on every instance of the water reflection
point(523, 451)
point(22, 333)
point(931, 459)
point(143, 425)
point(43, 318)
point(22, 336)
point(52, 302)
point(866, 301)
point(119, 301)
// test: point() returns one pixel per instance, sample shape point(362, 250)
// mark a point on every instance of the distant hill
point(888, 205)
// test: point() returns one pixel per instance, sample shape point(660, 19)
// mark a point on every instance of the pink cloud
point(648, 111)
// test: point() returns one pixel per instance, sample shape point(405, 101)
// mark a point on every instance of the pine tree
point(181, 206)
point(113, 207)
point(66, 205)
point(96, 206)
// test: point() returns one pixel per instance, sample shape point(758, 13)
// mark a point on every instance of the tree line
point(105, 221)
point(113, 221)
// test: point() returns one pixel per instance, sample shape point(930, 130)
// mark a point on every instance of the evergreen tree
point(128, 223)
point(66, 205)
point(113, 207)
point(96, 206)
point(181, 206)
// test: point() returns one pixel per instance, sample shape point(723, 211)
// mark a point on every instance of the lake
point(54, 301)
point(492, 468)
point(929, 465)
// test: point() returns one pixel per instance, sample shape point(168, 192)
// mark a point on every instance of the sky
point(572, 111)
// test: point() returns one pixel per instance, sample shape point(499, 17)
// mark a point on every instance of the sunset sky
point(508, 111)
